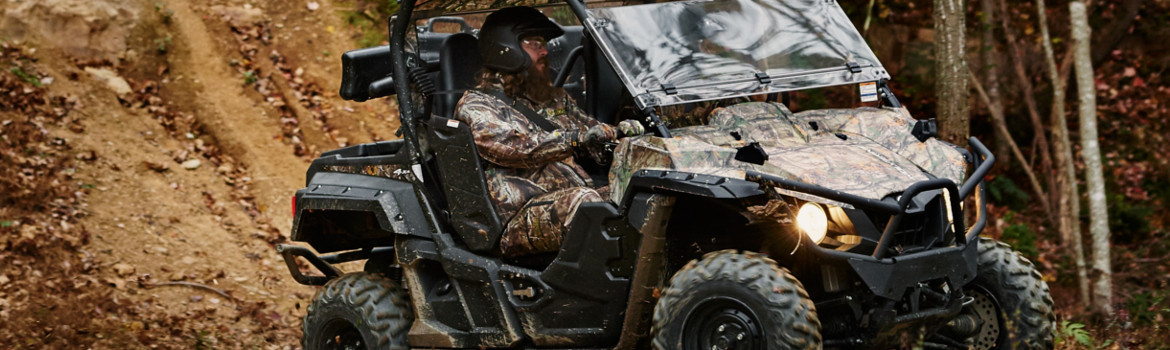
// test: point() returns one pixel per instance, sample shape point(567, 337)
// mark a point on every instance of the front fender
point(681, 182)
point(340, 211)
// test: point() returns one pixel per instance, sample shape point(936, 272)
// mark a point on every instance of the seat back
point(559, 49)
point(430, 39)
point(459, 63)
point(470, 210)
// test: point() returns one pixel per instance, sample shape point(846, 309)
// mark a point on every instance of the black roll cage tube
point(578, 8)
point(563, 75)
point(898, 210)
point(398, 29)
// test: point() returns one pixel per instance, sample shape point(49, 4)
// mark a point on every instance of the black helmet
point(499, 38)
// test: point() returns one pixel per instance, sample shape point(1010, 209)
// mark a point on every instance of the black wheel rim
point(722, 323)
point(987, 309)
point(341, 335)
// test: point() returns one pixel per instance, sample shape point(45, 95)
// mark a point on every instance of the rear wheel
point(731, 300)
point(1012, 308)
point(358, 311)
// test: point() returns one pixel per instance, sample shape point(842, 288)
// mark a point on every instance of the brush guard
point(889, 277)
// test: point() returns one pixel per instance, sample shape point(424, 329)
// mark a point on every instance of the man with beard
point(529, 132)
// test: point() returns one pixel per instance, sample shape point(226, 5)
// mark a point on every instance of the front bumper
point(890, 277)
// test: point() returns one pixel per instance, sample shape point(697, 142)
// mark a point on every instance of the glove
point(630, 127)
point(599, 133)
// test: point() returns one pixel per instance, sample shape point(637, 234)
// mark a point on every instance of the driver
point(529, 133)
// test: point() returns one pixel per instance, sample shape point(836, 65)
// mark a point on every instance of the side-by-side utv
point(733, 224)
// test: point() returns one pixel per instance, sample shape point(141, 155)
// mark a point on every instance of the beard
point(533, 83)
point(537, 84)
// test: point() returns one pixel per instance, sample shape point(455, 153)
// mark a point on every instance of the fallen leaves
point(47, 274)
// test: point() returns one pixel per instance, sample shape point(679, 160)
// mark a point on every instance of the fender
point(340, 211)
point(680, 182)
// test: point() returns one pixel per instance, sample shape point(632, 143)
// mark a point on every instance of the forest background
point(149, 149)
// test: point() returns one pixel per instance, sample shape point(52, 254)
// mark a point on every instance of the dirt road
point(184, 144)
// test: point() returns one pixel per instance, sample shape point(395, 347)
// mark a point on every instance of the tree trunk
point(989, 59)
point(1110, 36)
point(1091, 150)
point(1066, 184)
point(951, 66)
point(1027, 92)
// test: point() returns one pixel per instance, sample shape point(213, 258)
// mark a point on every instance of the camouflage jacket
point(523, 160)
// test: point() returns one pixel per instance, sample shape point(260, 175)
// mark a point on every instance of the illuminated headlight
point(812, 220)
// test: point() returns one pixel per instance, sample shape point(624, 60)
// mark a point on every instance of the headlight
point(812, 220)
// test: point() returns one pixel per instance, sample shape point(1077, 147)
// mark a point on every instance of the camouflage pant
point(541, 224)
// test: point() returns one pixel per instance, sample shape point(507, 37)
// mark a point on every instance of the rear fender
point(340, 211)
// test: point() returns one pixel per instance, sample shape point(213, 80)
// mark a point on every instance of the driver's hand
point(600, 133)
point(630, 127)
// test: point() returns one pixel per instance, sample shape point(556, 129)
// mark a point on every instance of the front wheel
point(358, 311)
point(1012, 306)
point(731, 300)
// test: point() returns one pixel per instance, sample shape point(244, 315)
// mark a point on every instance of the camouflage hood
point(867, 152)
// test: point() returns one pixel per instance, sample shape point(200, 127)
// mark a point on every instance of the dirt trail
point(187, 247)
point(242, 128)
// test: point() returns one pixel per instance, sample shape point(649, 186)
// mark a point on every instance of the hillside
point(149, 180)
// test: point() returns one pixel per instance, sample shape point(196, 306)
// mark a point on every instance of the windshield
point(672, 53)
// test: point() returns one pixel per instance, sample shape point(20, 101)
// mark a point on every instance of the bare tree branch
point(1069, 198)
point(1110, 36)
point(998, 120)
point(1025, 84)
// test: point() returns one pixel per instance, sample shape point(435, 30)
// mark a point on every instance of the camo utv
point(735, 224)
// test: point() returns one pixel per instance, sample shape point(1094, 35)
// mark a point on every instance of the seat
point(459, 63)
point(559, 49)
point(470, 210)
